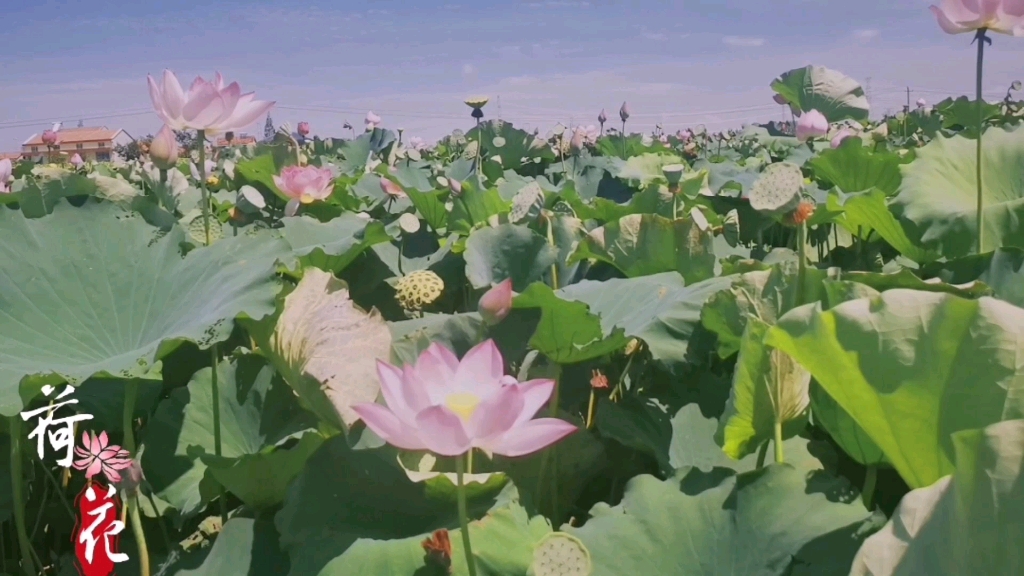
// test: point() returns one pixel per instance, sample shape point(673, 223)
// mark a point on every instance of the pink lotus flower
point(5, 175)
point(496, 303)
point(208, 106)
point(95, 456)
point(842, 135)
point(921, 102)
point(303, 128)
point(163, 150)
point(390, 189)
point(447, 407)
point(77, 161)
point(811, 124)
point(417, 143)
point(372, 121)
point(960, 16)
point(304, 184)
point(49, 137)
point(455, 187)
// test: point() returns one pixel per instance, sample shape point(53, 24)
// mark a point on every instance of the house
point(238, 140)
point(12, 156)
point(92, 143)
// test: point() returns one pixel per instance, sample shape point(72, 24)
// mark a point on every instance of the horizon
point(540, 63)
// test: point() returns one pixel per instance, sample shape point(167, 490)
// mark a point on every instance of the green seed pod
point(731, 228)
point(777, 190)
point(560, 554)
point(527, 203)
point(197, 231)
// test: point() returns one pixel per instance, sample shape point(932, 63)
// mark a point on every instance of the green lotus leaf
point(854, 168)
point(966, 523)
point(644, 244)
point(331, 245)
point(1002, 270)
point(911, 368)
point(939, 193)
point(766, 522)
point(508, 251)
point(97, 291)
point(243, 547)
point(864, 212)
point(832, 93)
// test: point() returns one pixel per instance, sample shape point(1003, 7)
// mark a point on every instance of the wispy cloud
point(657, 36)
point(743, 41)
point(866, 34)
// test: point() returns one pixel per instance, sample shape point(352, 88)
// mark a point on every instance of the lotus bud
point(624, 112)
point(455, 187)
point(811, 124)
point(303, 128)
point(1016, 85)
point(163, 150)
point(346, 126)
point(49, 137)
point(602, 117)
point(132, 476)
point(371, 121)
point(842, 135)
point(5, 174)
point(390, 189)
point(921, 103)
point(576, 144)
point(779, 99)
point(495, 305)
point(77, 161)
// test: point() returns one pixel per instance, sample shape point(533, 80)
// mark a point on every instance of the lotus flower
point(96, 455)
point(305, 184)
point(303, 128)
point(76, 161)
point(591, 133)
point(496, 303)
point(624, 112)
point(576, 142)
point(455, 187)
point(390, 189)
point(163, 150)
point(448, 406)
point(49, 137)
point(372, 121)
point(842, 135)
point(5, 175)
point(960, 16)
point(811, 124)
point(921, 103)
point(208, 106)
point(417, 143)
point(209, 167)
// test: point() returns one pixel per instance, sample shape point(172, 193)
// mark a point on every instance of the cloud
point(657, 36)
point(867, 34)
point(468, 70)
point(743, 41)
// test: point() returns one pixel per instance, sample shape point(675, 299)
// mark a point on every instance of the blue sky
point(680, 63)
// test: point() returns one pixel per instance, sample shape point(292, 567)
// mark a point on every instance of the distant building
point(239, 140)
point(12, 156)
point(92, 143)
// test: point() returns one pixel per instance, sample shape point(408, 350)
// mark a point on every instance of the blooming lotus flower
point(5, 175)
point(496, 303)
point(624, 112)
point(303, 128)
point(304, 184)
point(448, 406)
point(390, 189)
point(97, 455)
point(372, 121)
point(49, 137)
point(417, 143)
point(842, 135)
point(811, 124)
point(163, 150)
point(76, 161)
point(208, 106)
point(960, 16)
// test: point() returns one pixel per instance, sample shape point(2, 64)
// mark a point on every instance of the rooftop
point(73, 135)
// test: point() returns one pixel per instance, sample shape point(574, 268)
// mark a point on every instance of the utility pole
point(499, 106)
point(867, 89)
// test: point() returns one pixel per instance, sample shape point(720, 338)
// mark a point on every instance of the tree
point(185, 139)
point(268, 130)
point(134, 149)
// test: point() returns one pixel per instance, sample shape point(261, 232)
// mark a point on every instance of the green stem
point(801, 241)
point(551, 241)
point(479, 147)
point(761, 455)
point(215, 360)
point(27, 564)
point(139, 533)
point(981, 39)
point(870, 480)
point(590, 408)
point(463, 518)
point(207, 201)
point(58, 489)
point(469, 461)
point(777, 442)
point(623, 139)
point(131, 394)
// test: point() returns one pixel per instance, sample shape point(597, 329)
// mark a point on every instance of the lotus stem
point(463, 518)
point(27, 554)
point(479, 148)
point(207, 201)
point(980, 38)
point(214, 362)
point(761, 455)
point(623, 139)
point(801, 275)
point(131, 395)
point(551, 241)
point(590, 409)
point(779, 459)
point(870, 481)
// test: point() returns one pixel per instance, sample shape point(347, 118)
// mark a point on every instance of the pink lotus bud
point(163, 150)
point(624, 112)
point(602, 117)
point(779, 99)
point(842, 135)
point(303, 128)
point(921, 103)
point(372, 121)
point(5, 174)
point(77, 161)
point(390, 189)
point(811, 124)
point(577, 140)
point(49, 137)
point(496, 303)
point(455, 187)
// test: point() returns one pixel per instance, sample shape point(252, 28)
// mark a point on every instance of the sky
point(679, 63)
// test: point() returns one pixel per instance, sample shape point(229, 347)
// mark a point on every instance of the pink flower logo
point(97, 455)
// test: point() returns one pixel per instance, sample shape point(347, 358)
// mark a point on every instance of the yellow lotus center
point(306, 199)
point(463, 404)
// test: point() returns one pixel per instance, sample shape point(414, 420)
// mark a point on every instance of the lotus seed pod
point(197, 231)
point(673, 172)
point(409, 223)
point(418, 289)
point(527, 203)
point(561, 554)
point(777, 190)
point(731, 228)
